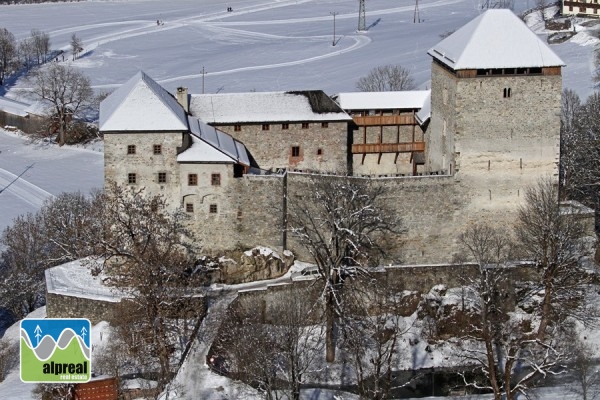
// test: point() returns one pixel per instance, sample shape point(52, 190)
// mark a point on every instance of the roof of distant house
point(257, 107)
point(495, 39)
point(213, 146)
point(403, 100)
point(141, 104)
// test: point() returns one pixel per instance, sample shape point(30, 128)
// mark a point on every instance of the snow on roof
point(75, 279)
point(13, 107)
point(212, 145)
point(256, 107)
point(141, 104)
point(424, 113)
point(407, 99)
point(495, 39)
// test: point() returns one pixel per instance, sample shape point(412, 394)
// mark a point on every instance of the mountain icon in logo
point(55, 350)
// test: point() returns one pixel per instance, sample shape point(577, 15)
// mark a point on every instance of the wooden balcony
point(384, 120)
point(375, 148)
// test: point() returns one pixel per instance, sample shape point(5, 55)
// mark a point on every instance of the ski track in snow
point(208, 20)
point(24, 190)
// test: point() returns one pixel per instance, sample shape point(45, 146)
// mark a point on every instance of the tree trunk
point(329, 338)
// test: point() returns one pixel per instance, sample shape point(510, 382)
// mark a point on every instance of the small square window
point(237, 128)
point(319, 152)
point(295, 151)
point(285, 126)
point(162, 177)
point(189, 207)
point(157, 149)
point(192, 179)
point(132, 178)
point(131, 149)
point(305, 125)
point(212, 209)
point(324, 124)
point(265, 127)
point(215, 179)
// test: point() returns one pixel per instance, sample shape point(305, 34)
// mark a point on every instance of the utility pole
point(203, 73)
point(416, 17)
point(334, 14)
point(362, 25)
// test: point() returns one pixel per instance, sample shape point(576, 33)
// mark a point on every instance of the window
point(132, 178)
point(507, 92)
point(305, 125)
point(212, 209)
point(319, 152)
point(265, 127)
point(131, 149)
point(285, 126)
point(215, 179)
point(157, 149)
point(189, 207)
point(162, 177)
point(237, 128)
point(324, 124)
point(295, 151)
point(192, 179)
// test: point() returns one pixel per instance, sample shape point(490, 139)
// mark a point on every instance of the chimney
point(182, 98)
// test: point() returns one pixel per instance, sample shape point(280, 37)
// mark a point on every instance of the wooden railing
point(370, 148)
point(383, 120)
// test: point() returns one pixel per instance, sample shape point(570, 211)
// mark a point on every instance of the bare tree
point(570, 138)
point(373, 329)
point(26, 51)
point(502, 341)
point(67, 90)
point(555, 242)
point(76, 46)
point(386, 78)
point(346, 227)
point(149, 254)
point(276, 356)
point(41, 44)
point(585, 370)
point(8, 52)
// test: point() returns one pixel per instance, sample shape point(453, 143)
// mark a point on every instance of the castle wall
point(62, 306)
point(144, 163)
point(273, 148)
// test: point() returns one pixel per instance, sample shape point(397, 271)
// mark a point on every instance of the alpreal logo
point(55, 350)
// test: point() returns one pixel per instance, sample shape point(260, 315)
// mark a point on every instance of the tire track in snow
point(23, 189)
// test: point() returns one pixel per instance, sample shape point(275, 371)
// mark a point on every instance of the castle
point(464, 151)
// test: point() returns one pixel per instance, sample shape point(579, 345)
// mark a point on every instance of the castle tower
point(495, 110)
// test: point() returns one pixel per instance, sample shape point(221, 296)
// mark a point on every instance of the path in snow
point(24, 190)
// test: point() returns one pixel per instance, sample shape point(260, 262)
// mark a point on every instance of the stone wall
point(62, 306)
point(322, 147)
point(28, 124)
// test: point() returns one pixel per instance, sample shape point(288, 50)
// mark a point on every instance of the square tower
point(495, 109)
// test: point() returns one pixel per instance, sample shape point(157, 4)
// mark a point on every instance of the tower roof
point(495, 39)
point(141, 104)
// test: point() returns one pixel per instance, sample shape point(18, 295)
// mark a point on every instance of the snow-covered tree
point(76, 46)
point(386, 78)
point(346, 227)
point(41, 44)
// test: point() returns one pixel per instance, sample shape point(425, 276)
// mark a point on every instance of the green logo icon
point(55, 350)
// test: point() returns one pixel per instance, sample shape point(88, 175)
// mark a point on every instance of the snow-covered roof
point(14, 107)
point(407, 99)
point(495, 39)
point(141, 104)
point(213, 146)
point(257, 107)
point(424, 113)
